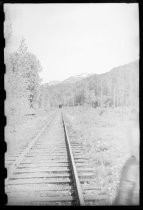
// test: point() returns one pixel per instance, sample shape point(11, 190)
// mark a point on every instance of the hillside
point(117, 87)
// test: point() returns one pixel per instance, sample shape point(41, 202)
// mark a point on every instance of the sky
point(71, 39)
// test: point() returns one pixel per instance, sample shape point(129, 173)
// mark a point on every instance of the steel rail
point(25, 152)
point(73, 167)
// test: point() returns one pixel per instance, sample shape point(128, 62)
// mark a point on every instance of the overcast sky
point(71, 39)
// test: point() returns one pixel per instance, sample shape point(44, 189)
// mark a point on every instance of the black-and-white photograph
point(72, 104)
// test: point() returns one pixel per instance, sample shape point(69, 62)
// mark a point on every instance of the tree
point(22, 78)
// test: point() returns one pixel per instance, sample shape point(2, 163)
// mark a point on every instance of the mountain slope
point(53, 83)
point(71, 79)
point(119, 86)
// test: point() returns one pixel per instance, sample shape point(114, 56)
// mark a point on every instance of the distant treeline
point(25, 94)
point(118, 87)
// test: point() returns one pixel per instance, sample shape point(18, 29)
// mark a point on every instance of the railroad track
point(50, 171)
point(87, 170)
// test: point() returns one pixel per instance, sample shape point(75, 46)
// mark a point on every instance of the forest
point(118, 87)
point(25, 93)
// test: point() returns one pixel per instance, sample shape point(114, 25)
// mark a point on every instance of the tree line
point(118, 87)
